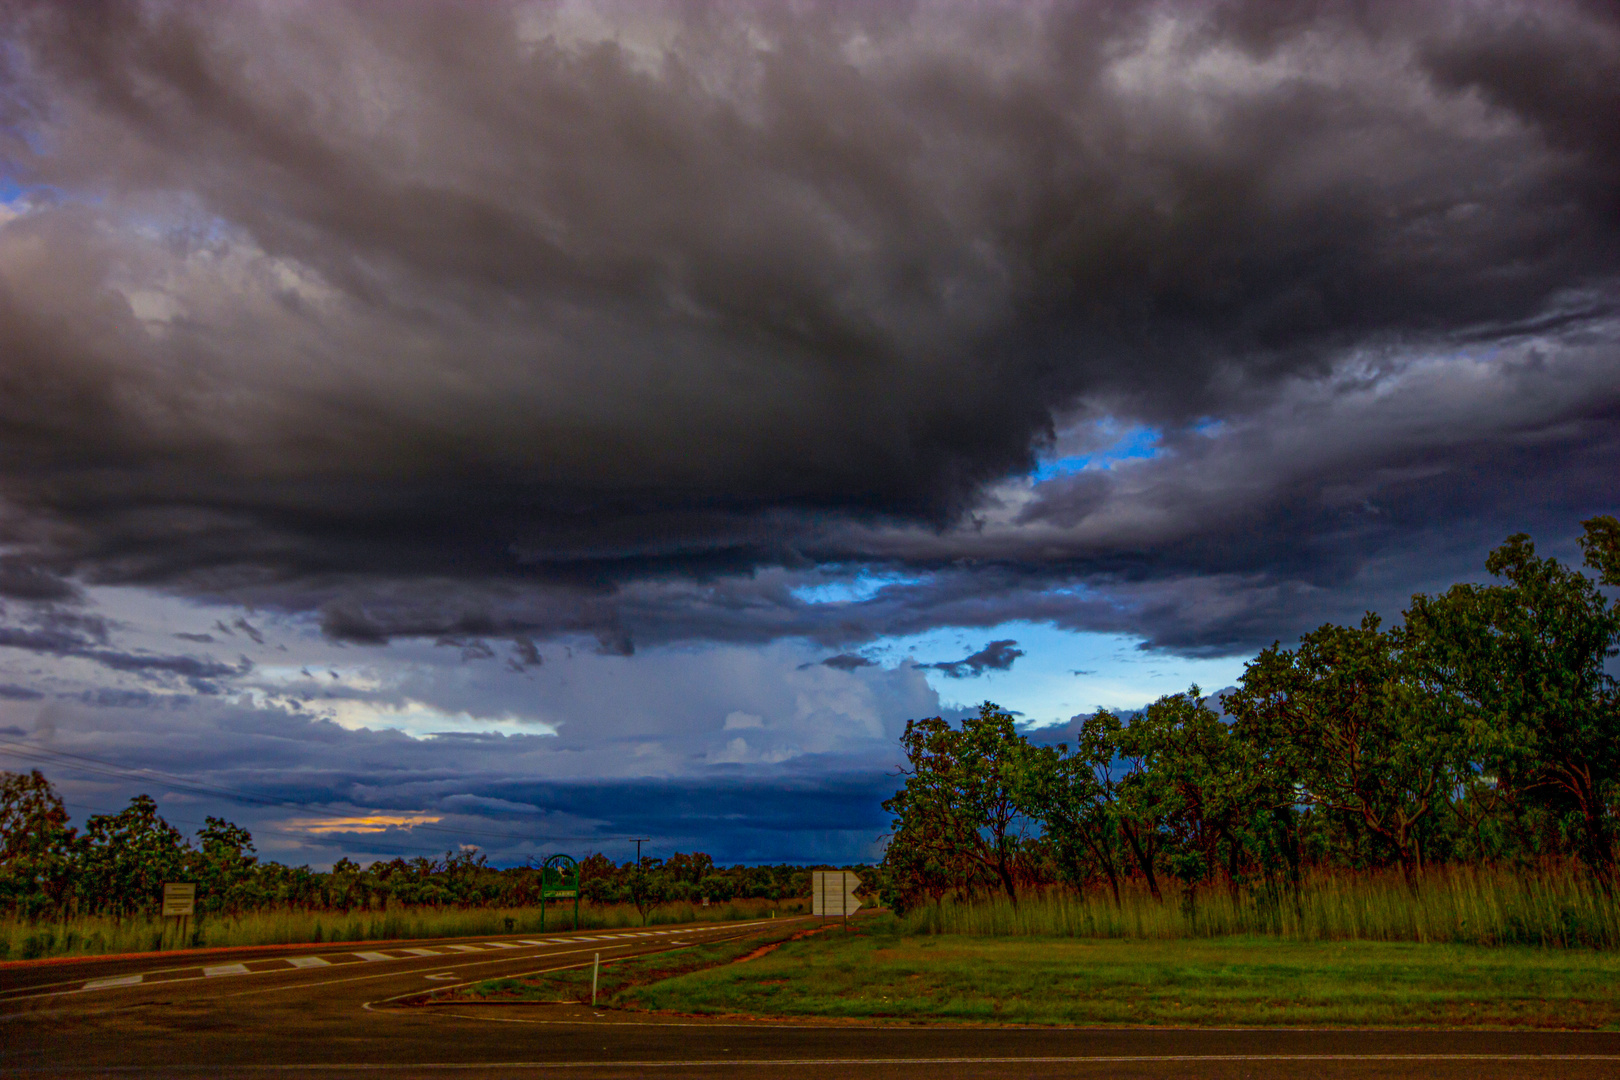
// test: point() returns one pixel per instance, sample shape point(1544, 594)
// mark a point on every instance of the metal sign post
point(559, 880)
point(179, 903)
point(832, 894)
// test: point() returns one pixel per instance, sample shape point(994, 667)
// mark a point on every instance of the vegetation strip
point(882, 974)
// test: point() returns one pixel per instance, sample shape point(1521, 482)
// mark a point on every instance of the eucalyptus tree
point(126, 857)
point(1522, 663)
point(1192, 777)
point(1072, 795)
point(36, 844)
point(1338, 720)
point(957, 807)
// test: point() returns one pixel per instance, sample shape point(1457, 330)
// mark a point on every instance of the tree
point(1522, 665)
point(223, 865)
point(129, 855)
point(1072, 795)
point(36, 844)
point(649, 886)
point(956, 812)
point(1192, 779)
point(1338, 720)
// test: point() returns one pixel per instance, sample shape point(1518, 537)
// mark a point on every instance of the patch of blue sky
point(1134, 443)
point(1062, 674)
point(851, 590)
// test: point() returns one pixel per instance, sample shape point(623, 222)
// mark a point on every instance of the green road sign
point(559, 880)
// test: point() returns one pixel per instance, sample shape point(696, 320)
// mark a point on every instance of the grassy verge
point(97, 935)
point(1240, 981)
point(619, 976)
point(1553, 905)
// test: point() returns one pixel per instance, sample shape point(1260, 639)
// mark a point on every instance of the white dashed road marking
point(500, 945)
point(307, 961)
point(120, 980)
point(423, 952)
point(225, 969)
point(375, 956)
point(464, 948)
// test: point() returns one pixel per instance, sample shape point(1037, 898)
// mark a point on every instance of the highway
point(313, 1011)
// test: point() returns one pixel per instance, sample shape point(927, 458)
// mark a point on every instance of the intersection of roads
point(352, 1010)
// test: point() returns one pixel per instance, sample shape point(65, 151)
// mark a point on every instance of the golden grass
point(97, 934)
point(1552, 905)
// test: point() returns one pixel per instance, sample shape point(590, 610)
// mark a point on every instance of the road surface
point(310, 1011)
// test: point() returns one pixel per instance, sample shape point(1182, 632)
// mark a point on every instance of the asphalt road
point(302, 1011)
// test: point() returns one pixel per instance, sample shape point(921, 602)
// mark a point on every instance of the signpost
point(179, 902)
point(559, 880)
point(832, 894)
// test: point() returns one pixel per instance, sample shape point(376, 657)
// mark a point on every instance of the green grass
point(1237, 981)
point(618, 976)
point(1555, 906)
point(98, 935)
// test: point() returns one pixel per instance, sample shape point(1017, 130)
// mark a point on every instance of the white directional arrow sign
point(832, 893)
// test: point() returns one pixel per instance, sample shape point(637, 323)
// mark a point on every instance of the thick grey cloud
point(475, 321)
point(659, 745)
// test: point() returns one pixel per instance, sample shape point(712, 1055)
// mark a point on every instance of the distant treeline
point(121, 862)
point(1484, 729)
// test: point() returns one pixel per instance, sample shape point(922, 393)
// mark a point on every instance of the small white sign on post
point(179, 899)
point(832, 893)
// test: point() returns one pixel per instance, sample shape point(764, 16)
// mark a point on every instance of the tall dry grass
point(93, 935)
point(1553, 905)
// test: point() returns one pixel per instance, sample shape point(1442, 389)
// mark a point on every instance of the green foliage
point(117, 871)
point(1522, 665)
point(1485, 728)
point(958, 821)
point(36, 844)
point(127, 857)
point(1224, 982)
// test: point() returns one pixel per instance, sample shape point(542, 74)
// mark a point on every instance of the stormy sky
point(536, 425)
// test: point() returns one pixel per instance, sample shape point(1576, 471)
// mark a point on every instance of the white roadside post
point(832, 894)
point(596, 969)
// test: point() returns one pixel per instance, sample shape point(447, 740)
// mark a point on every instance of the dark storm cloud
point(846, 662)
point(996, 656)
point(295, 781)
point(468, 321)
point(20, 581)
point(67, 642)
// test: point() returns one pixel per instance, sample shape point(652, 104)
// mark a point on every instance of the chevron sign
point(832, 893)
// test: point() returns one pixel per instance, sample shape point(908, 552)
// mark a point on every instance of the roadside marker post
point(179, 903)
point(596, 969)
point(832, 894)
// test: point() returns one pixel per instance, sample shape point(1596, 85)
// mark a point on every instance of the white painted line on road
point(526, 941)
point(465, 948)
point(375, 956)
point(307, 961)
point(499, 945)
point(423, 952)
point(225, 969)
point(776, 1063)
point(119, 980)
